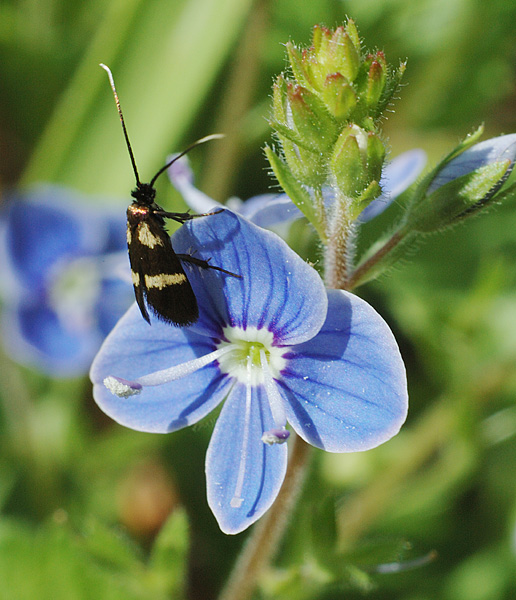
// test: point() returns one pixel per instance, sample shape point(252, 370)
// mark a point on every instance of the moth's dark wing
point(167, 289)
point(157, 274)
point(137, 259)
point(139, 294)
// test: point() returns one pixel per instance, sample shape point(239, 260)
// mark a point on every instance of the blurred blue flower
point(268, 210)
point(65, 277)
point(276, 345)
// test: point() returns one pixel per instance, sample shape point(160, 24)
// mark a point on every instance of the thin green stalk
point(361, 273)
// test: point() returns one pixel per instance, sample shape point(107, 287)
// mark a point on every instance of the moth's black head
point(144, 193)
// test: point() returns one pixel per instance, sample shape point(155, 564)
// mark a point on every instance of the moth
point(158, 277)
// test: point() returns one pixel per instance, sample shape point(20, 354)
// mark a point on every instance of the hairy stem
point(339, 252)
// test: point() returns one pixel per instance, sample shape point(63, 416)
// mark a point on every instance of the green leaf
point(454, 199)
point(52, 563)
point(164, 57)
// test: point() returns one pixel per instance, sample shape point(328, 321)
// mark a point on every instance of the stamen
point(237, 499)
point(275, 436)
point(273, 395)
point(125, 388)
point(122, 387)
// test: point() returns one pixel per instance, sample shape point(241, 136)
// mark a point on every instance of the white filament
point(237, 499)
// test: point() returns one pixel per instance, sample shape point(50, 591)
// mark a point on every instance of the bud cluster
point(326, 120)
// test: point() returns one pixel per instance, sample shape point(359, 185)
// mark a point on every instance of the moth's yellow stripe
point(136, 278)
point(147, 238)
point(164, 280)
point(128, 235)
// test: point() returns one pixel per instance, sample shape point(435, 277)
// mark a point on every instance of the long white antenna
point(112, 83)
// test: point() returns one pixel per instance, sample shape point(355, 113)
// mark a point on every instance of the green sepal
point(375, 157)
point(298, 66)
point(305, 165)
point(352, 31)
point(339, 96)
point(350, 60)
point(453, 200)
point(420, 191)
point(508, 194)
point(279, 107)
point(311, 118)
point(291, 134)
point(347, 164)
point(294, 190)
point(317, 38)
point(377, 80)
point(467, 142)
point(372, 191)
point(392, 85)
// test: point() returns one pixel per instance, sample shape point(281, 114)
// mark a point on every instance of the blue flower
point(63, 263)
point(276, 346)
point(268, 210)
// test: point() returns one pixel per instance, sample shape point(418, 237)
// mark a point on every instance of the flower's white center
point(74, 289)
point(243, 360)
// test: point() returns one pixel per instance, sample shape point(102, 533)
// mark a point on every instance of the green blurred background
point(91, 510)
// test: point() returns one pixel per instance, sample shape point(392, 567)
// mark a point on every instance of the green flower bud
point(376, 80)
point(464, 183)
point(339, 96)
point(311, 118)
point(357, 161)
point(349, 160)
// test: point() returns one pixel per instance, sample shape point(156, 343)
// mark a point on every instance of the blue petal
point(269, 210)
point(116, 240)
point(43, 227)
point(487, 152)
point(33, 334)
point(397, 176)
point(263, 468)
point(346, 388)
point(181, 176)
point(134, 349)
point(277, 289)
point(264, 210)
point(114, 299)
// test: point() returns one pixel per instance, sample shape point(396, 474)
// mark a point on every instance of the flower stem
point(266, 534)
point(338, 257)
point(362, 272)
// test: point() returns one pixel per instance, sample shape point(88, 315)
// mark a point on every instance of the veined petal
point(346, 388)
point(134, 349)
point(243, 473)
point(277, 290)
